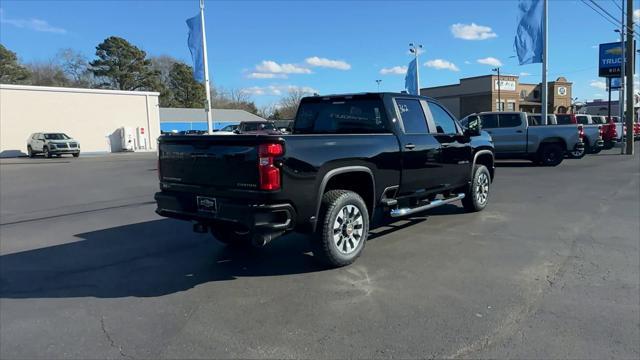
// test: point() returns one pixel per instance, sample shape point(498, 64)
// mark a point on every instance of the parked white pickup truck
point(514, 138)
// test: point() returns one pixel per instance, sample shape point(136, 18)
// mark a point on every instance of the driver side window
point(445, 124)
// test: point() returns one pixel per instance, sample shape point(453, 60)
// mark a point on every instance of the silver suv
point(50, 144)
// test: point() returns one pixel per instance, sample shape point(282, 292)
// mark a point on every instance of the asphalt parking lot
point(549, 270)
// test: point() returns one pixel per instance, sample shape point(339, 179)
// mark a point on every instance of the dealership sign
point(610, 61)
point(505, 85)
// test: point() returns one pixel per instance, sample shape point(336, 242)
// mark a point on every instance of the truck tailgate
point(222, 161)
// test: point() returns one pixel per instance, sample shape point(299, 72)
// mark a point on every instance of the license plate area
point(207, 204)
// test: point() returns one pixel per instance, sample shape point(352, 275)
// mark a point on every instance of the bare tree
point(288, 105)
point(163, 64)
point(47, 74)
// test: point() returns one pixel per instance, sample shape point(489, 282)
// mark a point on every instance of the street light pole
point(497, 69)
point(378, 82)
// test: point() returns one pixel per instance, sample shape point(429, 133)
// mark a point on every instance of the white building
point(91, 116)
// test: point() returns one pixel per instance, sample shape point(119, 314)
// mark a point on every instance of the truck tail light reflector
point(269, 173)
point(580, 132)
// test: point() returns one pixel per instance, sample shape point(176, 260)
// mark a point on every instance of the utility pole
point(500, 108)
point(545, 53)
point(630, 66)
point(378, 82)
point(622, 74)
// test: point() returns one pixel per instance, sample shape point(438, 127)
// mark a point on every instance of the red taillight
point(573, 118)
point(269, 173)
point(580, 132)
point(271, 150)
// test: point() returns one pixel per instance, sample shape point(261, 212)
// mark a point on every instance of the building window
point(511, 106)
point(499, 105)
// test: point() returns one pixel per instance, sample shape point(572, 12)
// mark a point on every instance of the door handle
point(519, 131)
point(409, 146)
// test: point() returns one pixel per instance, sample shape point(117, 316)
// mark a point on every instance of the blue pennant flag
point(195, 46)
point(411, 79)
point(529, 40)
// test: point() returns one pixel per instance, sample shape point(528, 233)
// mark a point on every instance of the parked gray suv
point(50, 144)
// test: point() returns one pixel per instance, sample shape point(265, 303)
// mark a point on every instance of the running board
point(431, 205)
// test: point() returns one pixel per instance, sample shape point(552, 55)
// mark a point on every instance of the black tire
point(46, 152)
point(340, 242)
point(30, 152)
point(550, 154)
point(580, 154)
point(476, 195)
point(75, 155)
point(231, 235)
point(608, 145)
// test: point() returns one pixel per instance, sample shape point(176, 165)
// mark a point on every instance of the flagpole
point(417, 72)
point(545, 48)
point(207, 107)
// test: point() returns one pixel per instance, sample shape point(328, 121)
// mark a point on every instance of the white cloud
point(598, 84)
point(260, 75)
point(490, 61)
point(525, 74)
point(328, 63)
point(32, 24)
point(269, 66)
point(396, 70)
point(472, 32)
point(441, 64)
point(467, 62)
point(636, 15)
point(277, 90)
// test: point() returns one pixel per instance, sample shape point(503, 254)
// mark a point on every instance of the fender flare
point(482, 152)
point(337, 171)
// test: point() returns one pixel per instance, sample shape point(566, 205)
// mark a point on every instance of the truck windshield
point(56, 137)
point(340, 116)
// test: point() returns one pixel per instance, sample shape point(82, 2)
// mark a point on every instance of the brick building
point(485, 93)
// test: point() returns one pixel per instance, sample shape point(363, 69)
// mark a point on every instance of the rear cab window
point(510, 120)
point(412, 116)
point(563, 119)
point(347, 115)
point(581, 119)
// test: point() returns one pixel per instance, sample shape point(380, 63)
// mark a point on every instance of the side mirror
point(473, 127)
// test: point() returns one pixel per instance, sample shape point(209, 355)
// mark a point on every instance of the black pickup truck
point(350, 162)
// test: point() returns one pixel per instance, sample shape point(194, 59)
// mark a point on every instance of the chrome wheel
point(578, 153)
point(348, 229)
point(482, 188)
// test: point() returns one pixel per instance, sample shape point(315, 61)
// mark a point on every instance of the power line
point(619, 23)
point(614, 22)
point(618, 5)
point(609, 18)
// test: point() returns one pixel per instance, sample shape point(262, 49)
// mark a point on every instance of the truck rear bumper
point(259, 218)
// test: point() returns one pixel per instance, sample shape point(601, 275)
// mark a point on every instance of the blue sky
point(268, 47)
